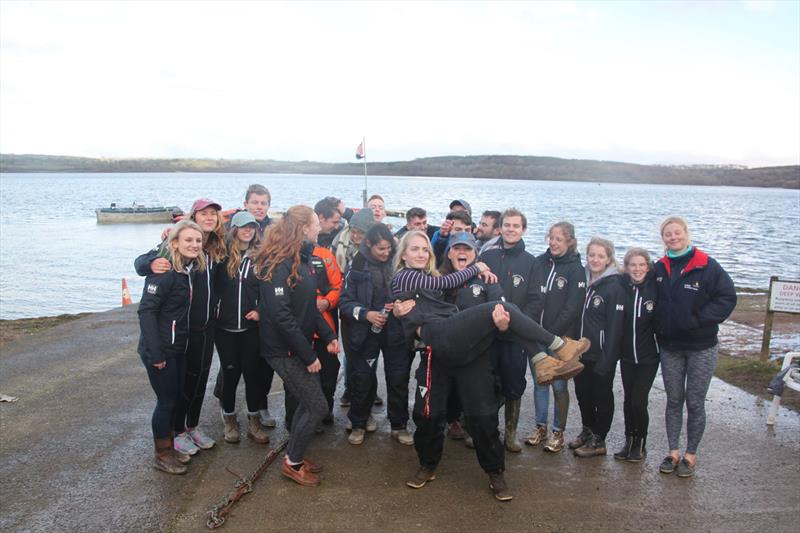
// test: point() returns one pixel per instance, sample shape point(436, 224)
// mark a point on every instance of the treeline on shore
point(483, 166)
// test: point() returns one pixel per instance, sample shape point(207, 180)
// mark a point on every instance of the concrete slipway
point(76, 454)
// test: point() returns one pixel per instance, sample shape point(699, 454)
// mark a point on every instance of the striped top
point(411, 279)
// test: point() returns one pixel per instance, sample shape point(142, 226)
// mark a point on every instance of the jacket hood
point(517, 249)
point(610, 271)
point(569, 257)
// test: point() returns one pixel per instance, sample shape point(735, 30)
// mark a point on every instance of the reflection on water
point(55, 259)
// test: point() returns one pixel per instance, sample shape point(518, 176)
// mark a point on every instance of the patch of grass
point(12, 329)
point(753, 376)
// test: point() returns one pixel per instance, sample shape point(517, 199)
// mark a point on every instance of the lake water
point(55, 259)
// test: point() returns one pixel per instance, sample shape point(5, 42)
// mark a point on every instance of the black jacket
point(639, 344)
point(289, 315)
point(601, 321)
point(164, 316)
point(473, 292)
point(204, 299)
point(562, 282)
point(237, 296)
point(516, 270)
point(692, 302)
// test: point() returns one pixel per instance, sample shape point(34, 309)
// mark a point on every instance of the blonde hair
point(283, 241)
point(679, 221)
point(400, 264)
point(235, 254)
point(637, 252)
point(178, 261)
point(608, 246)
point(569, 232)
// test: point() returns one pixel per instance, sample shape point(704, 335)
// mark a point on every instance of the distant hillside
point(484, 166)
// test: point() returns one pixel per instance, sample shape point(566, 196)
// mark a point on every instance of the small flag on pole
point(360, 151)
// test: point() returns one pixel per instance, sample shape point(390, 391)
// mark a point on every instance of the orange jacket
point(334, 284)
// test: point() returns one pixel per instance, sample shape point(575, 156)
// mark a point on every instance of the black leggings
point(239, 354)
point(198, 363)
point(595, 395)
point(167, 383)
point(459, 339)
point(637, 380)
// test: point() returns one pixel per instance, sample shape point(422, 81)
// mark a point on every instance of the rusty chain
point(216, 515)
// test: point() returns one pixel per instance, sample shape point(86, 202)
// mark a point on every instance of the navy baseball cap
point(462, 237)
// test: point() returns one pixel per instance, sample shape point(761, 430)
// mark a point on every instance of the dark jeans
point(510, 362)
point(474, 384)
point(363, 365)
point(239, 355)
point(327, 376)
point(167, 383)
point(198, 363)
point(637, 380)
point(595, 395)
point(311, 408)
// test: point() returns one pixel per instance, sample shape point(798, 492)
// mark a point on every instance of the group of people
point(465, 298)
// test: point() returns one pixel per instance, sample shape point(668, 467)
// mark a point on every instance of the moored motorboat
point(136, 214)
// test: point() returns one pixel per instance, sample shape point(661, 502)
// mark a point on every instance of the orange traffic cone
point(126, 296)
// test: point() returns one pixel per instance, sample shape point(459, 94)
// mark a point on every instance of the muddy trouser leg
point(699, 371)
point(583, 392)
point(397, 368)
point(465, 335)
point(167, 384)
point(430, 408)
point(254, 369)
point(603, 394)
point(673, 371)
point(329, 371)
point(311, 408)
point(229, 348)
point(475, 384)
point(197, 376)
point(363, 380)
point(641, 383)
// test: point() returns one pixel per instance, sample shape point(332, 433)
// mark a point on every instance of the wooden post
point(768, 323)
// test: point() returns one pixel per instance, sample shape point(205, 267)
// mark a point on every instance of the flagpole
point(364, 194)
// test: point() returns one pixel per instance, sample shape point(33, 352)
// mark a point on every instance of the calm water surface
point(55, 259)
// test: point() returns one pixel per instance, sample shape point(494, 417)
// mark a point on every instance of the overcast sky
point(654, 82)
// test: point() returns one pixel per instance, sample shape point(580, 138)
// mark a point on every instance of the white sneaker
point(203, 442)
point(403, 436)
point(356, 436)
point(372, 425)
point(183, 444)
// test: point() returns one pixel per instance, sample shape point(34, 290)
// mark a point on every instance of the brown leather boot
point(165, 458)
point(550, 368)
point(254, 429)
point(573, 348)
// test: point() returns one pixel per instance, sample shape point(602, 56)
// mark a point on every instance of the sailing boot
point(581, 439)
point(625, 451)
point(572, 348)
point(594, 446)
point(497, 482)
point(550, 368)
point(165, 458)
point(231, 430)
point(254, 429)
point(637, 452)
point(512, 420)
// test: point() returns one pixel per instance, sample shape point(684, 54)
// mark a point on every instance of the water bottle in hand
point(376, 328)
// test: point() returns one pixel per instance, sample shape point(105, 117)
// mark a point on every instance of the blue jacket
point(693, 302)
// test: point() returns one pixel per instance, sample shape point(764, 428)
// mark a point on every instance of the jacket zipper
point(173, 332)
point(548, 285)
point(637, 310)
point(208, 286)
point(239, 305)
point(585, 307)
point(602, 338)
point(188, 313)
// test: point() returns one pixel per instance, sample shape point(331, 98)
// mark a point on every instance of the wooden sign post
point(784, 297)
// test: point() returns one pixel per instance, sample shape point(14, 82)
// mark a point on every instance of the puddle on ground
point(741, 340)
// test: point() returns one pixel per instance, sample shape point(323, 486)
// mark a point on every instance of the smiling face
point(356, 235)
point(417, 253)
point(189, 243)
point(327, 225)
point(637, 267)
point(311, 231)
point(378, 209)
point(461, 256)
point(258, 205)
point(675, 237)
point(558, 241)
point(245, 234)
point(381, 251)
point(597, 259)
point(207, 218)
point(512, 229)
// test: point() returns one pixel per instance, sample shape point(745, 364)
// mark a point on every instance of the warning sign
point(785, 297)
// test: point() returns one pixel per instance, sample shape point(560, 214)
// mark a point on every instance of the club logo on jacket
point(692, 286)
point(581, 284)
point(649, 305)
point(597, 301)
point(476, 290)
point(561, 282)
point(152, 288)
point(423, 391)
point(517, 280)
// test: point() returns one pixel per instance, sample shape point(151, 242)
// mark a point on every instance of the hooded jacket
point(289, 314)
point(516, 271)
point(237, 296)
point(164, 315)
point(601, 319)
point(562, 283)
point(639, 344)
point(473, 292)
point(692, 302)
